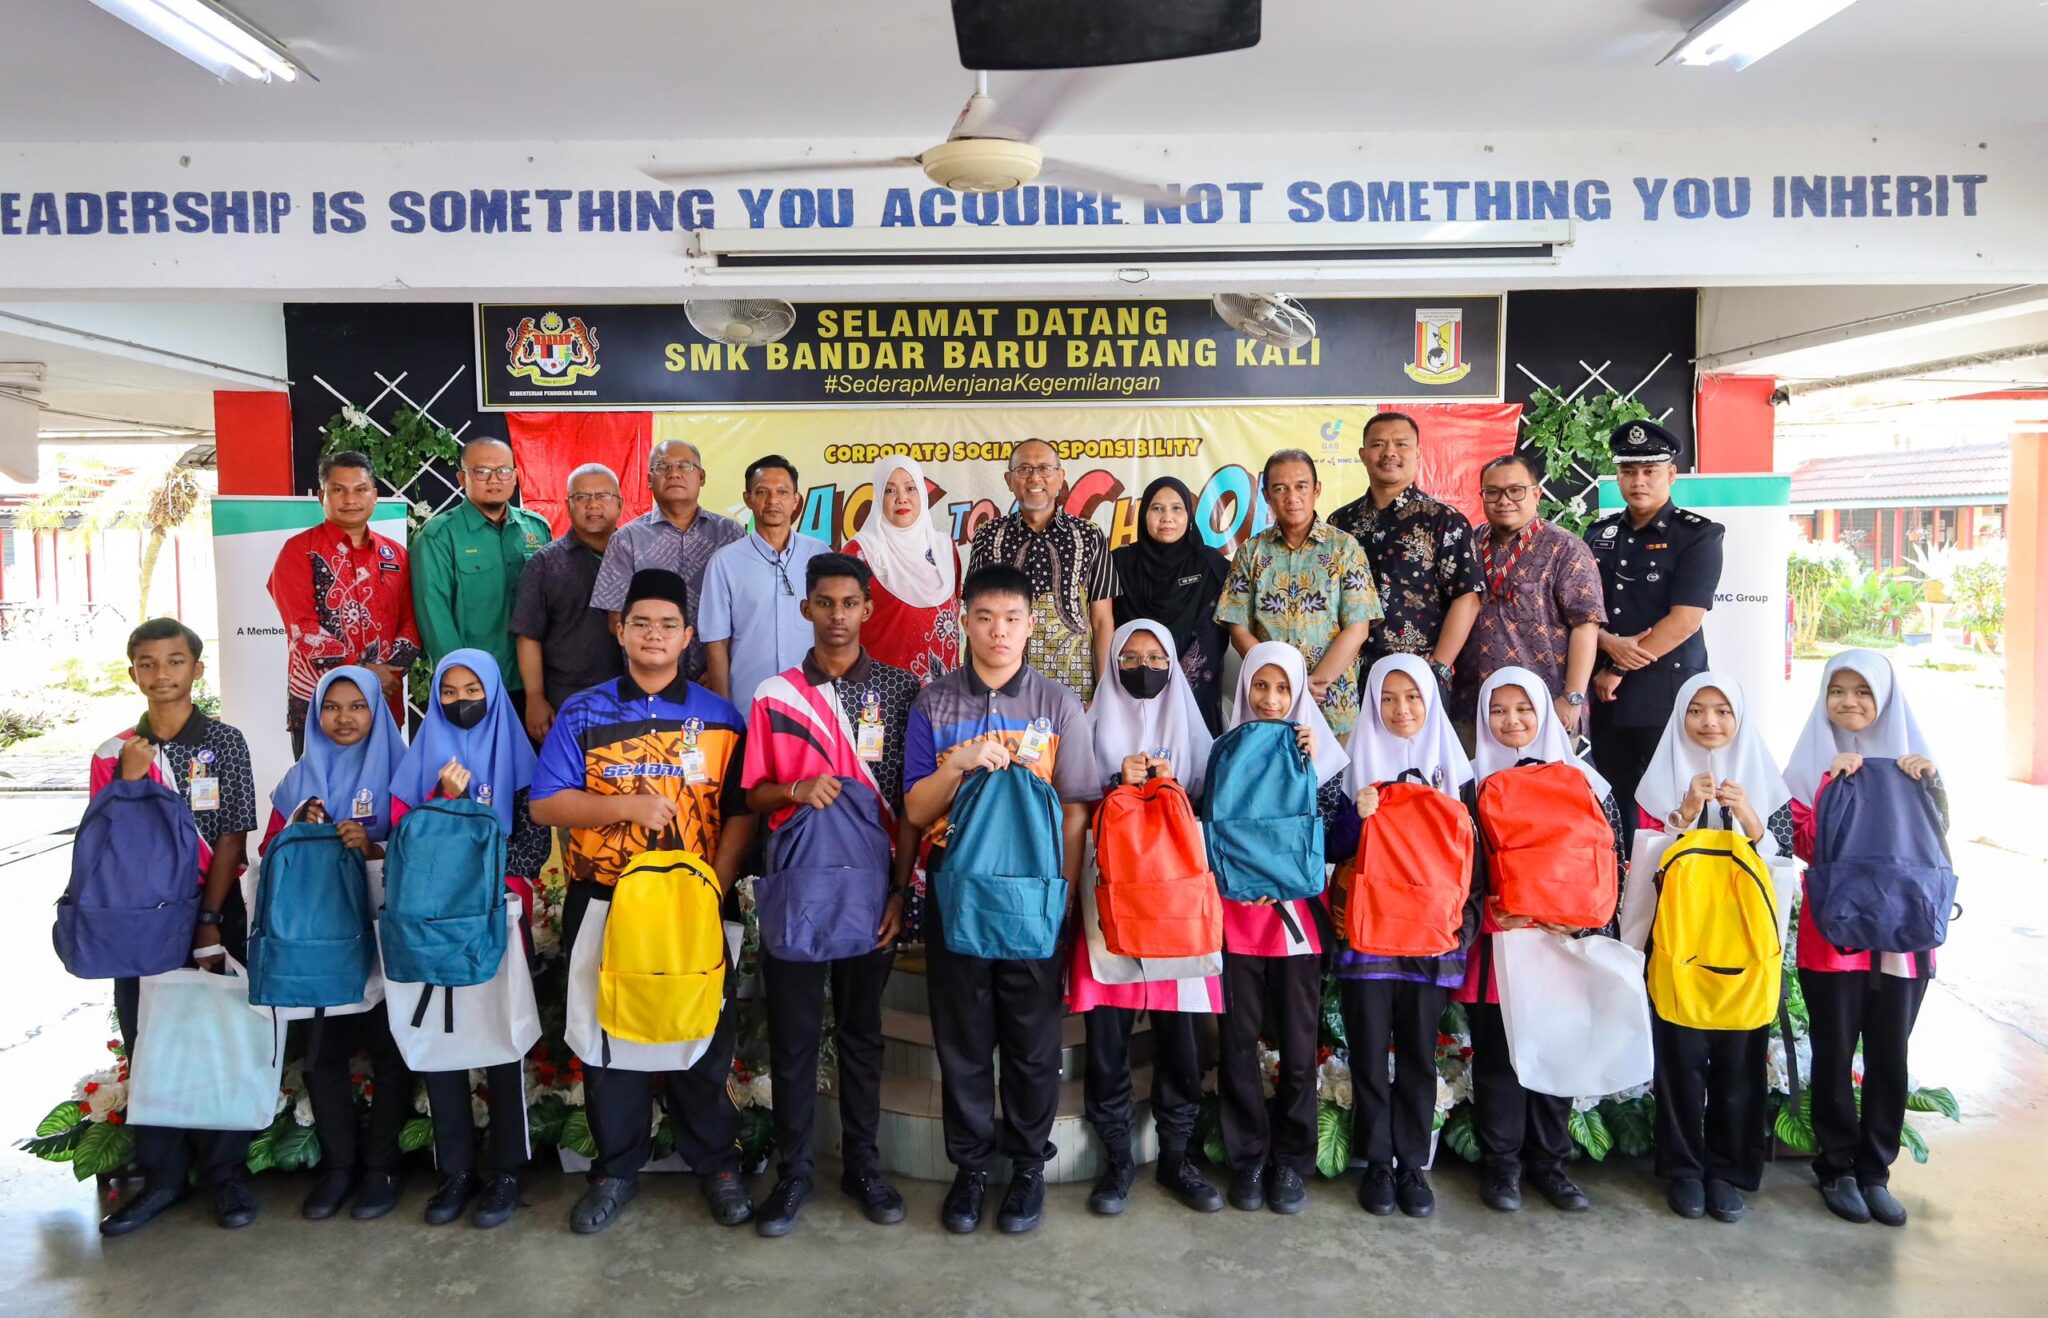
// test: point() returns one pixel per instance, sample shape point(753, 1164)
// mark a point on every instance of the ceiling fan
point(981, 154)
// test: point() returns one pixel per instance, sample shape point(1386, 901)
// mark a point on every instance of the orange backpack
point(1413, 871)
point(1549, 847)
point(1154, 892)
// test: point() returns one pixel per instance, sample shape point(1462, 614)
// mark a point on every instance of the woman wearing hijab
point(353, 747)
point(1516, 1126)
point(1171, 576)
point(916, 623)
point(1272, 955)
point(1711, 1083)
point(1145, 725)
point(472, 743)
point(1398, 1001)
point(1860, 712)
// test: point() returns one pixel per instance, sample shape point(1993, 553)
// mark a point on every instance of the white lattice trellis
point(1588, 480)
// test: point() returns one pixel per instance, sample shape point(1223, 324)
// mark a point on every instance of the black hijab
point(1174, 584)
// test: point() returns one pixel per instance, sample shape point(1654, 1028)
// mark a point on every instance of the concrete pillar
point(2026, 612)
point(253, 441)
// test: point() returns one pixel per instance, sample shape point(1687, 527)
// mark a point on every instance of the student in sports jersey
point(1517, 1127)
point(995, 712)
point(1860, 712)
point(1146, 723)
point(1711, 1086)
point(206, 762)
point(838, 714)
point(353, 749)
point(1397, 1001)
point(650, 761)
point(472, 743)
point(1272, 961)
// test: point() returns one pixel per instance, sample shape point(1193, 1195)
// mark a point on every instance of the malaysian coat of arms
point(552, 351)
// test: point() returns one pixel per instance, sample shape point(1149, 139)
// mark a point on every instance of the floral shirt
point(1069, 567)
point(1304, 597)
point(1551, 586)
point(1422, 559)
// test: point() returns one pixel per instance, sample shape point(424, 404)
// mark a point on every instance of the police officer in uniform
point(1659, 565)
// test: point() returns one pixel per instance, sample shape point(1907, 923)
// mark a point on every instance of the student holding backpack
point(1862, 732)
point(353, 749)
point(1412, 910)
point(1146, 727)
point(472, 746)
point(1272, 946)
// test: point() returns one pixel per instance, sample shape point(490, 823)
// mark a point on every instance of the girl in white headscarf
point(1145, 722)
point(1860, 713)
point(916, 623)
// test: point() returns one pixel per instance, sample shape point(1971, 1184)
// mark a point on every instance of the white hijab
point(1894, 734)
point(1329, 756)
point(1378, 756)
point(914, 563)
point(1746, 760)
point(1120, 724)
point(1553, 745)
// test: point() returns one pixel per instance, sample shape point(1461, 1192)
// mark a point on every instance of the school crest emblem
point(1439, 346)
point(551, 351)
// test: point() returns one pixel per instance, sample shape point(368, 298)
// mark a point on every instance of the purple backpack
point(1881, 879)
point(133, 900)
point(827, 879)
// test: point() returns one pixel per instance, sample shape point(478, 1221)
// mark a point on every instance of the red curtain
point(549, 445)
point(1457, 440)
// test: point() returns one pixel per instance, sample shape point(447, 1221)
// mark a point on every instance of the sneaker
point(1724, 1202)
point(1562, 1192)
point(376, 1195)
point(139, 1210)
point(1687, 1197)
point(1023, 1202)
point(452, 1197)
point(1884, 1209)
point(1112, 1192)
point(1187, 1184)
point(1248, 1188)
point(961, 1211)
point(1376, 1190)
point(778, 1212)
point(601, 1204)
point(1412, 1192)
point(497, 1203)
point(877, 1198)
point(329, 1193)
point(234, 1206)
point(1285, 1192)
point(727, 1198)
point(1500, 1188)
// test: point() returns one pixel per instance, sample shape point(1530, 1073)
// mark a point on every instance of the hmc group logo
point(552, 351)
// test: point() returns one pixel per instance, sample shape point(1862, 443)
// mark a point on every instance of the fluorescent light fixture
point(1745, 31)
point(210, 35)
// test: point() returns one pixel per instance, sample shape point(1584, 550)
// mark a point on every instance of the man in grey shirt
point(676, 534)
point(564, 645)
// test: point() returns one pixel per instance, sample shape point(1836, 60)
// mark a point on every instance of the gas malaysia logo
point(552, 352)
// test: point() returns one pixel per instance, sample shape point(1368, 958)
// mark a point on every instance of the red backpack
point(1413, 871)
point(1549, 847)
point(1155, 894)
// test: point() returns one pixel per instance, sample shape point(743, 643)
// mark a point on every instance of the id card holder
point(693, 768)
point(204, 793)
point(1032, 748)
point(867, 742)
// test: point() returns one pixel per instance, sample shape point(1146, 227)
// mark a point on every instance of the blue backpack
point(1001, 888)
point(133, 899)
point(1881, 879)
point(1259, 813)
point(827, 879)
point(310, 942)
point(443, 922)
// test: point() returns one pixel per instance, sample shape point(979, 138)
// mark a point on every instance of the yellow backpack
point(662, 975)
point(1716, 961)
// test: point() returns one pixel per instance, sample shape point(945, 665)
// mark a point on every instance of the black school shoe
point(329, 1193)
point(727, 1198)
point(1023, 1202)
point(376, 1195)
point(1376, 1190)
point(1724, 1202)
point(1500, 1188)
point(141, 1208)
point(1412, 1192)
point(234, 1205)
point(778, 1212)
point(1844, 1199)
point(961, 1211)
point(878, 1199)
point(1884, 1209)
point(1285, 1192)
point(497, 1203)
point(602, 1203)
point(1187, 1184)
point(451, 1197)
point(1561, 1191)
point(1112, 1192)
point(1687, 1197)
point(1248, 1188)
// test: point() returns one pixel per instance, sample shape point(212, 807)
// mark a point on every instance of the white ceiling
point(410, 70)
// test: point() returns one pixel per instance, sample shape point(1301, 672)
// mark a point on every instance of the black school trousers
point(796, 1011)
point(1176, 1078)
point(1711, 1103)
point(1280, 1131)
point(1516, 1127)
point(1621, 754)
point(977, 1006)
point(330, 1044)
point(1392, 1116)
point(1879, 1009)
point(448, 1099)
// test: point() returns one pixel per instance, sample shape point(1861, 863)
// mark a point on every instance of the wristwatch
point(1575, 699)
point(210, 917)
point(1442, 671)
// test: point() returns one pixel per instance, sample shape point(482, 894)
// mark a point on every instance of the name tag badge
point(361, 808)
point(205, 793)
point(694, 772)
point(1037, 738)
point(867, 742)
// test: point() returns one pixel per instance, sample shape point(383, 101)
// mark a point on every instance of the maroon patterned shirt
point(1553, 587)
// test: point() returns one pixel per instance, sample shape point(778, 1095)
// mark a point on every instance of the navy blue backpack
point(1881, 878)
point(827, 879)
point(133, 899)
point(311, 939)
point(443, 922)
point(1259, 815)
point(1001, 888)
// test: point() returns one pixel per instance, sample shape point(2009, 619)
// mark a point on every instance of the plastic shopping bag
point(204, 1058)
point(468, 1028)
point(1576, 1011)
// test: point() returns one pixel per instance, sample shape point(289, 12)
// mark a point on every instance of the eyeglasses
point(1156, 662)
point(491, 473)
point(598, 496)
point(645, 627)
point(675, 468)
point(1037, 469)
point(1505, 493)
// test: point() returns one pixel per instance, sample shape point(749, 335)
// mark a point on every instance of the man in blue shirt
point(751, 615)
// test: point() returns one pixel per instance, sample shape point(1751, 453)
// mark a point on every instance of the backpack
point(821, 895)
point(311, 943)
point(1155, 894)
point(1001, 888)
point(1881, 879)
point(1413, 872)
point(1549, 847)
point(443, 921)
point(133, 899)
point(1716, 961)
point(662, 975)
point(1259, 815)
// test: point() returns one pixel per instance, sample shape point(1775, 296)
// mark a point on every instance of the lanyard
point(1497, 578)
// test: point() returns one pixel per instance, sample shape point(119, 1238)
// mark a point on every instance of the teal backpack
point(310, 938)
point(1001, 888)
point(1259, 815)
point(443, 922)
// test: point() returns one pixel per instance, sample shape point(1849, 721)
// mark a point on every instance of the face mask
point(465, 713)
point(1144, 683)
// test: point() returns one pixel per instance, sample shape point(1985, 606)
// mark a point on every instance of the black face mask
point(465, 713)
point(1144, 683)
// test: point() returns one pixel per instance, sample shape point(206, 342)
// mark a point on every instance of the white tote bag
point(1109, 968)
point(204, 1058)
point(582, 1032)
point(1576, 1011)
point(373, 988)
point(463, 1029)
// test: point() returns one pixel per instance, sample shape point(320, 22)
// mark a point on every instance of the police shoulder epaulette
point(1691, 518)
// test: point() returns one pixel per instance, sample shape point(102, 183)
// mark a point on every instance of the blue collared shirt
point(751, 599)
